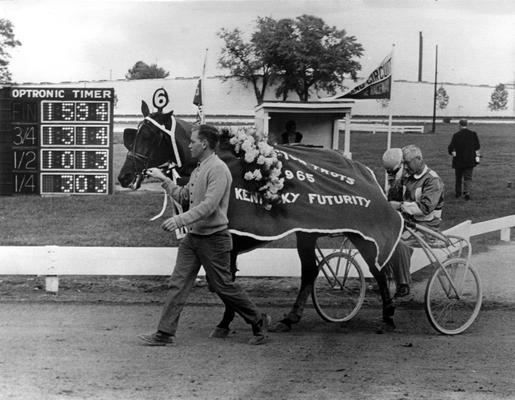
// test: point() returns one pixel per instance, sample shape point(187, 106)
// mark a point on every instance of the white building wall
point(233, 98)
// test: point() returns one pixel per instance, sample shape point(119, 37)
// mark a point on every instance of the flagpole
point(390, 108)
point(390, 117)
point(203, 114)
point(435, 91)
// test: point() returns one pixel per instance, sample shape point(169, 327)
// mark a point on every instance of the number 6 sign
point(160, 99)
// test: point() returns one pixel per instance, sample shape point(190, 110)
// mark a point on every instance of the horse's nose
point(125, 180)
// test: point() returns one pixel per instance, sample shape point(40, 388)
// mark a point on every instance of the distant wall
point(232, 98)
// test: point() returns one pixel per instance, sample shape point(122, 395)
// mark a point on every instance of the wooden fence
point(64, 260)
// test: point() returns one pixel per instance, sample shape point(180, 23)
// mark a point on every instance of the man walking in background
point(464, 149)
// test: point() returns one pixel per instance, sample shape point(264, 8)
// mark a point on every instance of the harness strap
point(175, 175)
point(170, 133)
point(176, 208)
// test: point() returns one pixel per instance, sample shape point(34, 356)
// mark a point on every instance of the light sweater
point(207, 194)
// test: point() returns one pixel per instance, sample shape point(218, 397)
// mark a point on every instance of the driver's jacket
point(423, 197)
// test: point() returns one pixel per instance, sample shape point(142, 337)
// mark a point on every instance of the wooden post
point(346, 141)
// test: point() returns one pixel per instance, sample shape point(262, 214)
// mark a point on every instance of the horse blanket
point(324, 193)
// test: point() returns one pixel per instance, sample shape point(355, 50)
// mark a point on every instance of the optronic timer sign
point(57, 140)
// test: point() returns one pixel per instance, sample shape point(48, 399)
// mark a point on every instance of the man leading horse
point(372, 226)
point(207, 243)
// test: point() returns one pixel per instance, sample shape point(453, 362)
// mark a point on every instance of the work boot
point(158, 339)
point(219, 333)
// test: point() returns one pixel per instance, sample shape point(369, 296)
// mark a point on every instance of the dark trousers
point(213, 253)
point(463, 182)
point(400, 263)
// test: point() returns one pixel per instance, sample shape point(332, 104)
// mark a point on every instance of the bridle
point(146, 159)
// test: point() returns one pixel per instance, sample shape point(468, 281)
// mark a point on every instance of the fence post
point(505, 234)
point(51, 278)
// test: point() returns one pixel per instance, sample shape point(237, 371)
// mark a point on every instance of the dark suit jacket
point(465, 143)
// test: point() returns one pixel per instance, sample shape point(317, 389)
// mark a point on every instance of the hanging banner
point(377, 86)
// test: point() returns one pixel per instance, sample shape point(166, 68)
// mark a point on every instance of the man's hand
point(396, 205)
point(169, 225)
point(156, 173)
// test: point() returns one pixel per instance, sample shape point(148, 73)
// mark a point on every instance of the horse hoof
point(388, 311)
point(386, 326)
point(219, 333)
point(280, 327)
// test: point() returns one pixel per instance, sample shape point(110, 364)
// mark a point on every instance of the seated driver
point(417, 192)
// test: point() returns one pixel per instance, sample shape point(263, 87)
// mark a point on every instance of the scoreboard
point(56, 140)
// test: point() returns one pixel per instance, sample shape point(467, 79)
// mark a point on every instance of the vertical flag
point(198, 98)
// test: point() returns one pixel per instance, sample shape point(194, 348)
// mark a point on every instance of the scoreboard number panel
point(87, 183)
point(58, 159)
point(69, 135)
point(75, 111)
point(57, 140)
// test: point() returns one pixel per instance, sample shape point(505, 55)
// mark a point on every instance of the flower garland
point(262, 167)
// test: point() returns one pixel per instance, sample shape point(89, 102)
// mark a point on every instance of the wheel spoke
point(340, 288)
point(453, 297)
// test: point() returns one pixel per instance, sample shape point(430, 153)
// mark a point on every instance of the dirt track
point(81, 344)
point(62, 349)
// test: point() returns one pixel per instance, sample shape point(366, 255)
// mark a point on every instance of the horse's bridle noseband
point(146, 159)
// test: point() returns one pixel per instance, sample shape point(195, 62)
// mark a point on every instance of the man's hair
point(463, 122)
point(208, 132)
point(411, 151)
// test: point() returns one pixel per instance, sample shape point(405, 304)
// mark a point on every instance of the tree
point(144, 71)
point(385, 103)
point(499, 98)
point(442, 97)
point(7, 40)
point(312, 55)
point(245, 62)
point(301, 55)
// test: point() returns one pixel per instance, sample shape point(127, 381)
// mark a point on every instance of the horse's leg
point(384, 291)
point(367, 251)
point(306, 249)
point(222, 330)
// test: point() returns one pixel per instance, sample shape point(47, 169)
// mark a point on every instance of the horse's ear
point(129, 135)
point(144, 108)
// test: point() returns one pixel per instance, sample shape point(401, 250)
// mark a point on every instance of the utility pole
point(420, 53)
point(435, 91)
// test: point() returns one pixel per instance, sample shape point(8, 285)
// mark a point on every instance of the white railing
point(374, 128)
point(64, 260)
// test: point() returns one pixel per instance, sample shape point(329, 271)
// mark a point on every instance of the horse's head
point(159, 140)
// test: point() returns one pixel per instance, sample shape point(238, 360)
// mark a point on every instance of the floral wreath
point(262, 167)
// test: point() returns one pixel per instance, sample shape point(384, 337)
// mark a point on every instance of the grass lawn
point(123, 218)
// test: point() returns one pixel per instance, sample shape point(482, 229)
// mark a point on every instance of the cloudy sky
point(92, 40)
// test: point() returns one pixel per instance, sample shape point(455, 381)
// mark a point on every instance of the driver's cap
point(392, 158)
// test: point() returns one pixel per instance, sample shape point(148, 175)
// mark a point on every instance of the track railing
point(64, 260)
